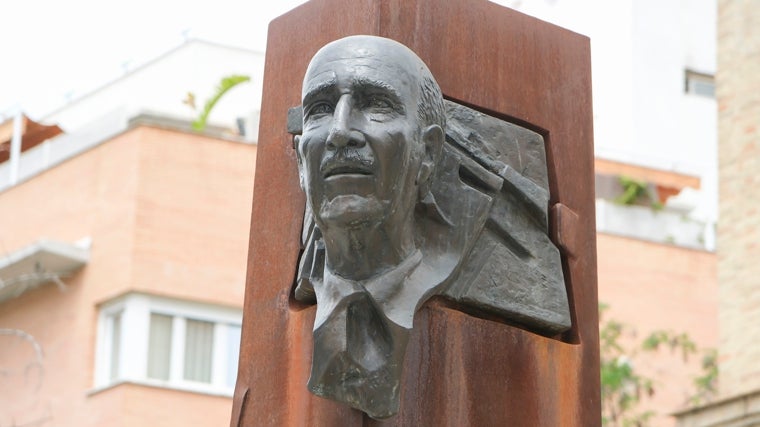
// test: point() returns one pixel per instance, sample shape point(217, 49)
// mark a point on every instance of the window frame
point(135, 310)
point(694, 79)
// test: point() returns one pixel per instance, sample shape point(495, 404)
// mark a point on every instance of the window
point(159, 346)
point(699, 84)
point(169, 343)
point(114, 329)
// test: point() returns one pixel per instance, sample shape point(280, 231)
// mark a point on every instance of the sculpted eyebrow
point(366, 83)
point(318, 90)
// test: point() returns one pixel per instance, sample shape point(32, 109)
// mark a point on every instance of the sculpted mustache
point(345, 157)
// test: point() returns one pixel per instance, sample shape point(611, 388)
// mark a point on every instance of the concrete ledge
point(736, 411)
point(41, 262)
point(641, 222)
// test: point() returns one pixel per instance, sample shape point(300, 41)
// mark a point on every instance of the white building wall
point(156, 88)
point(640, 50)
point(161, 85)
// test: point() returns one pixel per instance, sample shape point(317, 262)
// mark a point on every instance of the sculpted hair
point(430, 109)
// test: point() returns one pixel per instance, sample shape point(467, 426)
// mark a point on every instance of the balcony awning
point(32, 134)
point(45, 261)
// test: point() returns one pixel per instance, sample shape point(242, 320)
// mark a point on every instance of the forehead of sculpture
point(363, 58)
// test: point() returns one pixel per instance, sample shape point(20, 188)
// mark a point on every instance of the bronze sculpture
point(410, 196)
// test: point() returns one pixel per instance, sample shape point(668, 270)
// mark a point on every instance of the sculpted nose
point(343, 132)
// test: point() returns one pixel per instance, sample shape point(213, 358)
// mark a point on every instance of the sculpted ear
point(299, 159)
point(432, 138)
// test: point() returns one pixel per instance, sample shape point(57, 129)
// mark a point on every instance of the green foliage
point(633, 190)
point(637, 192)
point(672, 340)
point(623, 388)
point(224, 86)
point(707, 383)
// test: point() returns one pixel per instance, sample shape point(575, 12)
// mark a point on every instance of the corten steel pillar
point(460, 370)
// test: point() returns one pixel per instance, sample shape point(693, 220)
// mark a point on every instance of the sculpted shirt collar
point(386, 290)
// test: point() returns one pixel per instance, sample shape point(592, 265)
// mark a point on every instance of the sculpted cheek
point(310, 150)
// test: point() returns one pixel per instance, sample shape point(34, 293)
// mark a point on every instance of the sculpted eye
point(379, 102)
point(319, 109)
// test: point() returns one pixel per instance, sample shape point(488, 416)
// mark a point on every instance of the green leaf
point(632, 190)
point(224, 86)
point(624, 388)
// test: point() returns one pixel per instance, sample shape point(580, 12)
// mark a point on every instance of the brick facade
point(738, 92)
point(168, 213)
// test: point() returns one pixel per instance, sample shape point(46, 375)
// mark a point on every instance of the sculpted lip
point(346, 169)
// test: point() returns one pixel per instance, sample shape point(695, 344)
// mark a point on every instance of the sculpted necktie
point(358, 351)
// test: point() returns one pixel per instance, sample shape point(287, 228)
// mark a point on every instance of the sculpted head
point(373, 120)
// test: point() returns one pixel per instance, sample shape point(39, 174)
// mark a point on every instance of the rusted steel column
point(460, 370)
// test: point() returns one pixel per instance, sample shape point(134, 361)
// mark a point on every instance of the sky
point(58, 50)
point(54, 50)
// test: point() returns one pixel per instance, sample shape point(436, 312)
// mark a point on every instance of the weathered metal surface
point(461, 368)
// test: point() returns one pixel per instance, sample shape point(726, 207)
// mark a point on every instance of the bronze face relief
point(409, 196)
